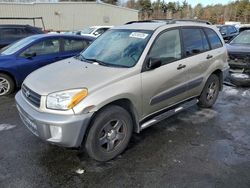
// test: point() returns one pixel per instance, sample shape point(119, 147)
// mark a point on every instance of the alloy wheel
point(4, 86)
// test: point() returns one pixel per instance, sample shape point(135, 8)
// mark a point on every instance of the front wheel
point(7, 85)
point(210, 92)
point(109, 133)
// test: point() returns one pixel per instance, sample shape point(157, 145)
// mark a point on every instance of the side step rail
point(169, 113)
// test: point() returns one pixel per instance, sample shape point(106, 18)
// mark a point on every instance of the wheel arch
point(124, 103)
point(11, 76)
point(219, 73)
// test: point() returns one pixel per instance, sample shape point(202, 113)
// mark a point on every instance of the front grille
point(31, 96)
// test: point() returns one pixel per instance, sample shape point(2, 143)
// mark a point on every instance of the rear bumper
point(63, 130)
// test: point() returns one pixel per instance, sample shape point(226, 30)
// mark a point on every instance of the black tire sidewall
point(92, 146)
point(11, 82)
point(203, 102)
point(245, 82)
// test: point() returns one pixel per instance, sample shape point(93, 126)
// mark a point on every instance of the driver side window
point(45, 47)
point(167, 47)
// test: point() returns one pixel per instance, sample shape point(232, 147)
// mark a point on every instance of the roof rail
point(194, 20)
point(171, 21)
point(167, 21)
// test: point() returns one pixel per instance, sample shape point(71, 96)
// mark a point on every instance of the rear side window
point(74, 45)
point(213, 38)
point(28, 31)
point(11, 33)
point(194, 41)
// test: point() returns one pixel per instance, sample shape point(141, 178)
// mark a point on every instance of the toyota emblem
point(27, 94)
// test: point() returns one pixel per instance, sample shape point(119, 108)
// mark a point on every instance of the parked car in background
point(239, 51)
point(128, 79)
point(239, 59)
point(95, 31)
point(243, 27)
point(21, 58)
point(12, 33)
point(228, 31)
point(75, 32)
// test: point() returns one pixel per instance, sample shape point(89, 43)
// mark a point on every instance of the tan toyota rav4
point(128, 79)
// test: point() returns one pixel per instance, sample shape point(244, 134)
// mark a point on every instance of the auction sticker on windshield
point(138, 35)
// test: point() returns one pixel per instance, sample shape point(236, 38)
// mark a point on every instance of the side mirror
point(153, 63)
point(30, 55)
point(223, 33)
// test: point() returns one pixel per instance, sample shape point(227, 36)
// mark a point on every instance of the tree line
point(238, 10)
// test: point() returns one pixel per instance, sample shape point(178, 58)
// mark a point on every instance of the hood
point(238, 48)
point(71, 74)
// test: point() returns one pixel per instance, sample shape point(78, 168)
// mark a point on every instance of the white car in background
point(95, 31)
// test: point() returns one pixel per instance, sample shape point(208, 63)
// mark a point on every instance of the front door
point(166, 85)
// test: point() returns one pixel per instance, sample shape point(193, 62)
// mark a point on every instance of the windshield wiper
point(97, 61)
point(80, 57)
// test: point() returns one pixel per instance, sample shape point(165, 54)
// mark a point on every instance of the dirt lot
point(196, 148)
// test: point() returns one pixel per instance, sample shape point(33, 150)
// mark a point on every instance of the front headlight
point(65, 100)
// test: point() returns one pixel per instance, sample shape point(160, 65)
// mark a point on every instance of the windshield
point(120, 48)
point(88, 30)
point(242, 38)
point(13, 48)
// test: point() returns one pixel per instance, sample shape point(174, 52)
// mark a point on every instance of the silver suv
point(130, 78)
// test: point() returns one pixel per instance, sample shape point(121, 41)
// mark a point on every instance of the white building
point(65, 16)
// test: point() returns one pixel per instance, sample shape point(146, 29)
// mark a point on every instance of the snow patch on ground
point(227, 90)
point(200, 116)
point(80, 171)
point(239, 75)
point(246, 93)
point(5, 127)
point(230, 90)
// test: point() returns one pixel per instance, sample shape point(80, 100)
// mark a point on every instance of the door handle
point(181, 66)
point(209, 56)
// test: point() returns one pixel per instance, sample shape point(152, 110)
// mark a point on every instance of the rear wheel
point(7, 85)
point(210, 92)
point(109, 133)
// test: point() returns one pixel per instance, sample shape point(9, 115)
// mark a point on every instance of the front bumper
point(63, 130)
point(225, 72)
point(239, 65)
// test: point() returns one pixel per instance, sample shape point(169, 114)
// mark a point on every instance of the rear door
point(166, 85)
point(38, 55)
point(73, 46)
point(200, 55)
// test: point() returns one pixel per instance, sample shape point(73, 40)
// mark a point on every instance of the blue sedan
point(23, 57)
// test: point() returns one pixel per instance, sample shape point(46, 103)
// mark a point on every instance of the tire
point(109, 133)
point(240, 79)
point(7, 85)
point(210, 92)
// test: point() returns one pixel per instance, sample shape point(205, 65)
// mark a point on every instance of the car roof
point(101, 26)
